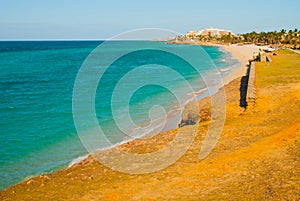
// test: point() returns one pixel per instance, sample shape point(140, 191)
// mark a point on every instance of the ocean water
point(37, 131)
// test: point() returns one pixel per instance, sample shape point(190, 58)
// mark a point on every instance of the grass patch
point(284, 69)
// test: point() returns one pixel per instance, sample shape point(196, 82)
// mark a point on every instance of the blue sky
point(100, 19)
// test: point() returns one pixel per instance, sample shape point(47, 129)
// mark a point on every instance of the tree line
point(283, 37)
point(291, 37)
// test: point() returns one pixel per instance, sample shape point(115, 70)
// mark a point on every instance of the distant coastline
point(247, 155)
point(26, 50)
point(213, 36)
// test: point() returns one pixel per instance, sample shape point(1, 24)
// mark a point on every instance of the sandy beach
point(243, 53)
point(150, 100)
point(257, 156)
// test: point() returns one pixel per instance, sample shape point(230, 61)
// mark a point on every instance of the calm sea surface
point(37, 132)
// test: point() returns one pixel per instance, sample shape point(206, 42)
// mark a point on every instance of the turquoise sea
point(37, 131)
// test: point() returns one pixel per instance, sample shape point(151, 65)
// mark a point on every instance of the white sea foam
point(77, 160)
point(197, 93)
point(225, 69)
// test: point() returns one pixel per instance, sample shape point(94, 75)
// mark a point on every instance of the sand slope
point(256, 158)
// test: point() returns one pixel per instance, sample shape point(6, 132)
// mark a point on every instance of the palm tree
point(291, 37)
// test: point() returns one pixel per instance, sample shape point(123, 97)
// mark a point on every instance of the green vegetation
point(291, 37)
point(283, 38)
point(256, 158)
point(285, 69)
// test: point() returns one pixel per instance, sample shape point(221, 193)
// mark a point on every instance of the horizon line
point(76, 39)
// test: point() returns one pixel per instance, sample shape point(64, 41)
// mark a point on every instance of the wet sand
point(256, 158)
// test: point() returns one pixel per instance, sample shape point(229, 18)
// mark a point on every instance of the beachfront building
point(214, 32)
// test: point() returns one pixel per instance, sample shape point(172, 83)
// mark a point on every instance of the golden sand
point(256, 158)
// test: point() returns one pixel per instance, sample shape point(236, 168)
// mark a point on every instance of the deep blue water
point(37, 132)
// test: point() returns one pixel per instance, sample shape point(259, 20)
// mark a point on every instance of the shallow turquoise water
point(36, 84)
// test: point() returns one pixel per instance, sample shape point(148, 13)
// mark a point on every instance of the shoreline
point(240, 53)
point(235, 73)
point(249, 158)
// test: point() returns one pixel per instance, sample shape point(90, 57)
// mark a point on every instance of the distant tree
point(290, 37)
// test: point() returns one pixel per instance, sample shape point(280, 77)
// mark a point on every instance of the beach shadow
point(243, 89)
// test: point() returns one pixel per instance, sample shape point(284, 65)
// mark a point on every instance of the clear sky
point(100, 19)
